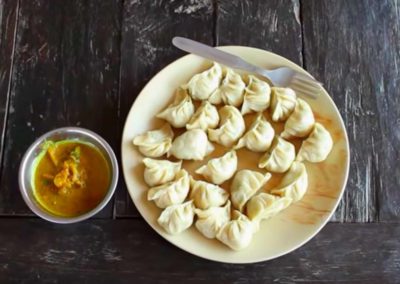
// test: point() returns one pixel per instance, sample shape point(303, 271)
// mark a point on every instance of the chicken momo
point(204, 118)
point(244, 185)
point(259, 137)
point(211, 220)
point(257, 96)
point(264, 206)
point(300, 122)
point(191, 145)
point(317, 146)
point(279, 157)
point(155, 143)
point(219, 170)
point(206, 195)
point(202, 85)
point(177, 218)
point(171, 193)
point(231, 90)
point(157, 172)
point(237, 233)
point(283, 103)
point(294, 184)
point(231, 127)
point(180, 111)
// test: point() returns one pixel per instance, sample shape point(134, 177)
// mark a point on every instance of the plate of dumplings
point(226, 166)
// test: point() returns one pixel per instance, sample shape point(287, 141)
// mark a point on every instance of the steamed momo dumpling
point(180, 111)
point(171, 193)
point(155, 143)
point(202, 85)
point(231, 90)
point(294, 184)
point(157, 172)
point(211, 220)
point(283, 103)
point(204, 118)
point(300, 122)
point(259, 137)
point(264, 206)
point(177, 218)
point(237, 233)
point(231, 127)
point(244, 185)
point(257, 96)
point(317, 146)
point(191, 145)
point(206, 195)
point(279, 157)
point(219, 170)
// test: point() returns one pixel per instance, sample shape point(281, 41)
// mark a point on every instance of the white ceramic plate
point(282, 233)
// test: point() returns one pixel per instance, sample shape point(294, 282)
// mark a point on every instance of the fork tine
point(307, 81)
point(306, 89)
point(305, 94)
point(306, 77)
point(306, 85)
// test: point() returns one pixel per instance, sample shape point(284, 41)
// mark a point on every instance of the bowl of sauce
point(68, 175)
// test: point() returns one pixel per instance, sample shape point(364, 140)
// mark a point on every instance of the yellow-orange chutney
point(70, 177)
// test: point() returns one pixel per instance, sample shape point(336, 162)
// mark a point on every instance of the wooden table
point(65, 63)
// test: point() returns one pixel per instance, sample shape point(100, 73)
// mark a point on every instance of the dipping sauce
point(70, 177)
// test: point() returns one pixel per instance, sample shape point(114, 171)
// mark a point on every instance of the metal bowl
point(26, 171)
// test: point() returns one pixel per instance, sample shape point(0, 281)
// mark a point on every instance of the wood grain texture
point(353, 47)
point(127, 251)
point(65, 73)
point(8, 19)
point(147, 30)
point(270, 25)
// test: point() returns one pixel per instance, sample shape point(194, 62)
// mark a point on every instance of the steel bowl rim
point(68, 220)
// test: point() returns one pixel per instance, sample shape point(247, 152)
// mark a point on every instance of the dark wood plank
point(353, 48)
point(8, 19)
point(66, 72)
point(147, 30)
point(127, 251)
point(270, 25)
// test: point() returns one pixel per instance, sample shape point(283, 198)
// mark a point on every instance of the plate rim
point(306, 240)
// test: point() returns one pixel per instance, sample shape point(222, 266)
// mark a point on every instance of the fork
point(301, 83)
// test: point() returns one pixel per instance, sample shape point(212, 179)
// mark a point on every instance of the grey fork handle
point(213, 54)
